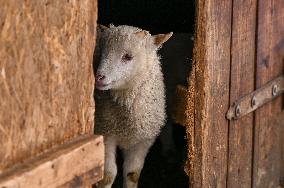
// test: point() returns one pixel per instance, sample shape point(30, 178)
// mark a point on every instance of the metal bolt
point(238, 111)
point(274, 90)
point(253, 101)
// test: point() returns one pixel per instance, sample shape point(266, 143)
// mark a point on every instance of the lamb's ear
point(141, 34)
point(161, 38)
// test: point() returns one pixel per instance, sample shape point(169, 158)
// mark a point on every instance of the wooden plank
point(85, 180)
point(242, 83)
point(60, 165)
point(189, 123)
point(282, 153)
point(268, 128)
point(46, 75)
point(212, 58)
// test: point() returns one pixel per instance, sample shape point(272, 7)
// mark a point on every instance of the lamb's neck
point(126, 97)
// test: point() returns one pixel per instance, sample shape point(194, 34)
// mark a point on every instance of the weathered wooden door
point(239, 49)
point(46, 94)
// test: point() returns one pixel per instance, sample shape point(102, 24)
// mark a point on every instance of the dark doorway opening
point(164, 165)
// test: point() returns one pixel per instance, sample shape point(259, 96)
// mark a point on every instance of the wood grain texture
point(65, 163)
point(242, 83)
point(212, 59)
point(85, 180)
point(282, 154)
point(46, 75)
point(268, 126)
point(189, 123)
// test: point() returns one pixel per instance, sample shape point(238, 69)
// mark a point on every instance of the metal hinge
point(256, 99)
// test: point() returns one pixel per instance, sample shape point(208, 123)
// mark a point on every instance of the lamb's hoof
point(133, 177)
point(106, 182)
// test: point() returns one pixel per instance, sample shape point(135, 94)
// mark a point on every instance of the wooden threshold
point(75, 164)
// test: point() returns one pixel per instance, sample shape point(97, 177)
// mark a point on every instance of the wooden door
point(46, 94)
point(239, 48)
point(268, 156)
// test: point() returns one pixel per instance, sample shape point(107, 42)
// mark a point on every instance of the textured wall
point(46, 75)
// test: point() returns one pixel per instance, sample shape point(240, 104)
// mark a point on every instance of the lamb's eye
point(127, 57)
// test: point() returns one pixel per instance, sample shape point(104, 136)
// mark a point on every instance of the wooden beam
point(267, 169)
point(242, 83)
point(76, 162)
point(212, 71)
point(85, 180)
point(190, 123)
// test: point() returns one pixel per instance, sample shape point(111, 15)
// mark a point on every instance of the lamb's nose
point(100, 77)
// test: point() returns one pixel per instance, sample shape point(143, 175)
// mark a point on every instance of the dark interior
point(164, 165)
point(156, 16)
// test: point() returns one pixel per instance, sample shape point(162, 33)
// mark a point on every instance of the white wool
point(137, 112)
point(130, 107)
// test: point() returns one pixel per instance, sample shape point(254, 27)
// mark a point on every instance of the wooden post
point(212, 73)
point(242, 82)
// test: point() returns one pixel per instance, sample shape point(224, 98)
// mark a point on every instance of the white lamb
point(131, 101)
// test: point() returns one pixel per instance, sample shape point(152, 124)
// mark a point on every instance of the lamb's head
point(124, 53)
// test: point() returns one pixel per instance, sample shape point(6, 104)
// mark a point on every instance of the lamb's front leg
point(133, 162)
point(110, 168)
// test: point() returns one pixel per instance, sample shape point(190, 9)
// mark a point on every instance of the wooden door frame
point(209, 132)
point(209, 95)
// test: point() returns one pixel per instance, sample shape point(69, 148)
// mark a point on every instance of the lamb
point(130, 97)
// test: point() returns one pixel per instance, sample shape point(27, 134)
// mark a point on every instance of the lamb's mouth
point(104, 86)
point(101, 86)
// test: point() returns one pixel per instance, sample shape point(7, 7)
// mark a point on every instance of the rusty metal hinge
point(256, 99)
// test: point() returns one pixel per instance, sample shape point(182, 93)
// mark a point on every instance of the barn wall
point(46, 75)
